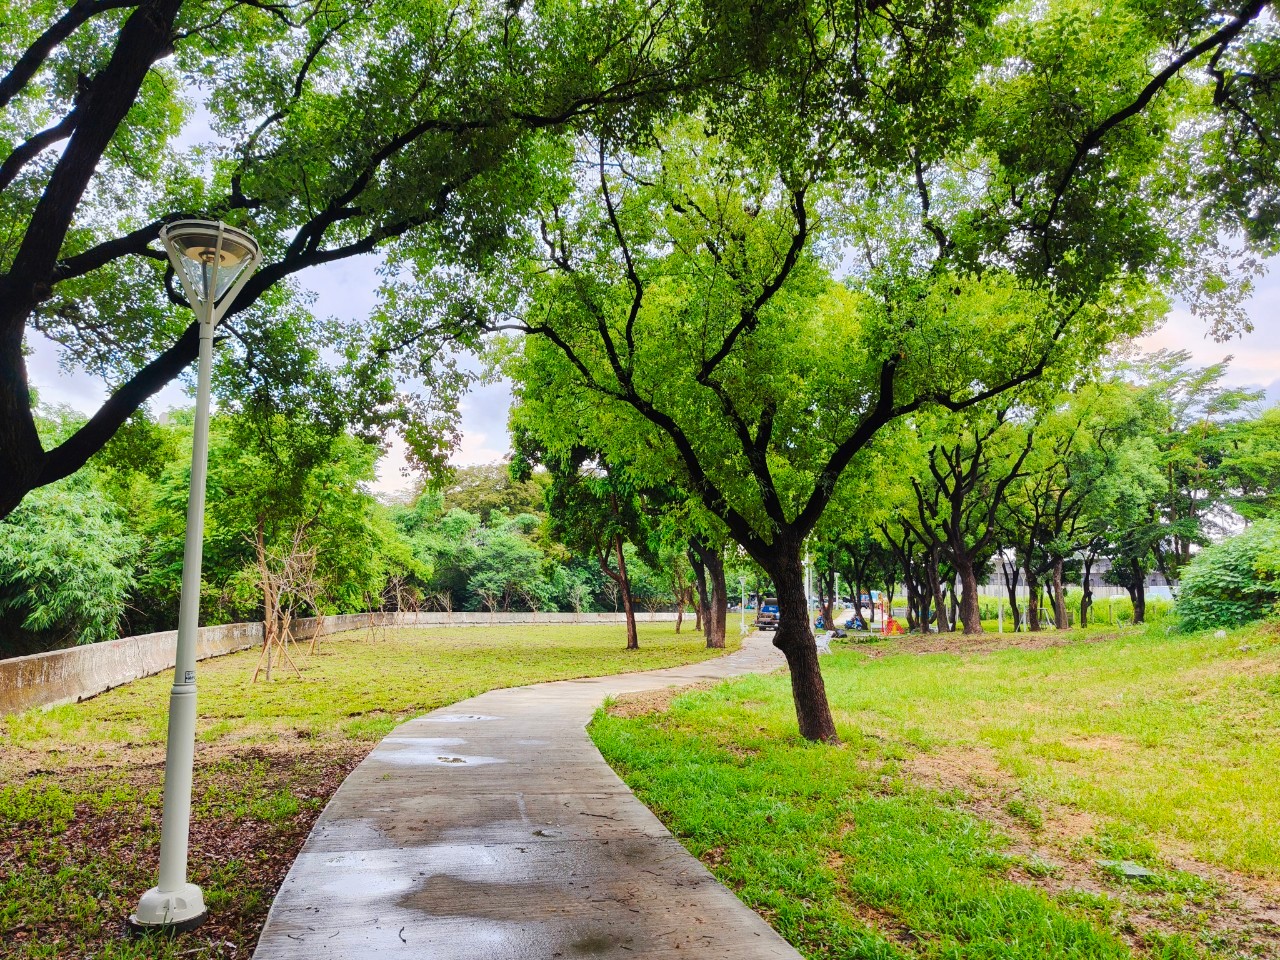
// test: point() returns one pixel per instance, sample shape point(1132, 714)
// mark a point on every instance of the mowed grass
point(80, 785)
point(357, 687)
point(976, 795)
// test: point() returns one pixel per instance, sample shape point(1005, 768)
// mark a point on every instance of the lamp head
point(211, 258)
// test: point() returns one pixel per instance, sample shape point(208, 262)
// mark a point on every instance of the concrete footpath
point(492, 829)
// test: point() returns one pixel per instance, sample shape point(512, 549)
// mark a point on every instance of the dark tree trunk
point(718, 609)
point(970, 611)
point(795, 639)
point(1059, 596)
point(700, 585)
point(924, 615)
point(1033, 600)
point(935, 588)
point(1011, 578)
point(1086, 598)
point(1138, 592)
point(826, 596)
point(624, 586)
point(955, 607)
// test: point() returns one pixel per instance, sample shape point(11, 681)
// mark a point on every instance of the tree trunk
point(1011, 586)
point(700, 583)
point(955, 606)
point(1138, 592)
point(826, 596)
point(1086, 598)
point(1059, 596)
point(624, 585)
point(935, 587)
point(795, 639)
point(970, 611)
point(718, 610)
point(1033, 603)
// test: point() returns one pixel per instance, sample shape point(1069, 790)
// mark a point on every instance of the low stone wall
point(68, 676)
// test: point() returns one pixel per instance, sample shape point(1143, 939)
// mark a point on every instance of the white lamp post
point(214, 262)
point(742, 582)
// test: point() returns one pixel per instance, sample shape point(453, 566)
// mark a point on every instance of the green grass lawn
point(975, 794)
point(80, 801)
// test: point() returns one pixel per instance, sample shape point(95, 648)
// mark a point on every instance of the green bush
point(66, 568)
point(1233, 582)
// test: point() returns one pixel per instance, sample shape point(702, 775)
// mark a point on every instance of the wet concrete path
point(492, 829)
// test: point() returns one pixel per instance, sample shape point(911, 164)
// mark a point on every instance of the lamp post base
point(175, 911)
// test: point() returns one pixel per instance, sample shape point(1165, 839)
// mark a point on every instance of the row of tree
point(1131, 472)
point(292, 530)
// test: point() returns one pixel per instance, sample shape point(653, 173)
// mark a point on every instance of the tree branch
point(35, 55)
point(70, 455)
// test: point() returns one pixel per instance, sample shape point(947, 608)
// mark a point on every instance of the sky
point(349, 289)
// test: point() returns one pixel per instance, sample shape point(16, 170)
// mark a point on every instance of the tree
point(410, 130)
point(66, 569)
point(1249, 468)
point(489, 489)
point(279, 487)
point(592, 505)
point(508, 568)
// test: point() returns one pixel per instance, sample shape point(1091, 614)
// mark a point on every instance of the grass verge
point(80, 801)
point(978, 795)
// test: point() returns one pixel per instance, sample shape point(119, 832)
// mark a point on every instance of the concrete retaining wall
point(68, 676)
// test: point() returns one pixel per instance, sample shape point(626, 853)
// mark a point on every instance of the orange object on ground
point(892, 626)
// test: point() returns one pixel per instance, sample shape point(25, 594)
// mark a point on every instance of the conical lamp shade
point(211, 256)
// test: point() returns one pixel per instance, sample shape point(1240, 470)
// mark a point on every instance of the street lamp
point(213, 262)
point(742, 582)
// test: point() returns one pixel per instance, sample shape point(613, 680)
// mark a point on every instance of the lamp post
point(214, 262)
point(742, 582)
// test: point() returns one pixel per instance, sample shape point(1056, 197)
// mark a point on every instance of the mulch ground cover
point(78, 849)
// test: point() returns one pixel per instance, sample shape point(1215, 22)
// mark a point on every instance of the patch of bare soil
point(630, 705)
point(1237, 914)
point(252, 809)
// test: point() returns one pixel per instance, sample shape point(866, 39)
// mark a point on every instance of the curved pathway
point(492, 829)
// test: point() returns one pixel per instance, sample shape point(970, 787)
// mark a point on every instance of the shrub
point(1233, 582)
point(66, 567)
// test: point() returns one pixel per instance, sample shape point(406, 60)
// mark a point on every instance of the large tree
point(336, 128)
point(996, 226)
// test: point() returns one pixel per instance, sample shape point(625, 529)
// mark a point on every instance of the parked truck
point(767, 618)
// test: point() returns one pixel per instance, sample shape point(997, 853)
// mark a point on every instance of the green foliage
point(66, 568)
point(1250, 465)
point(488, 489)
point(1234, 582)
